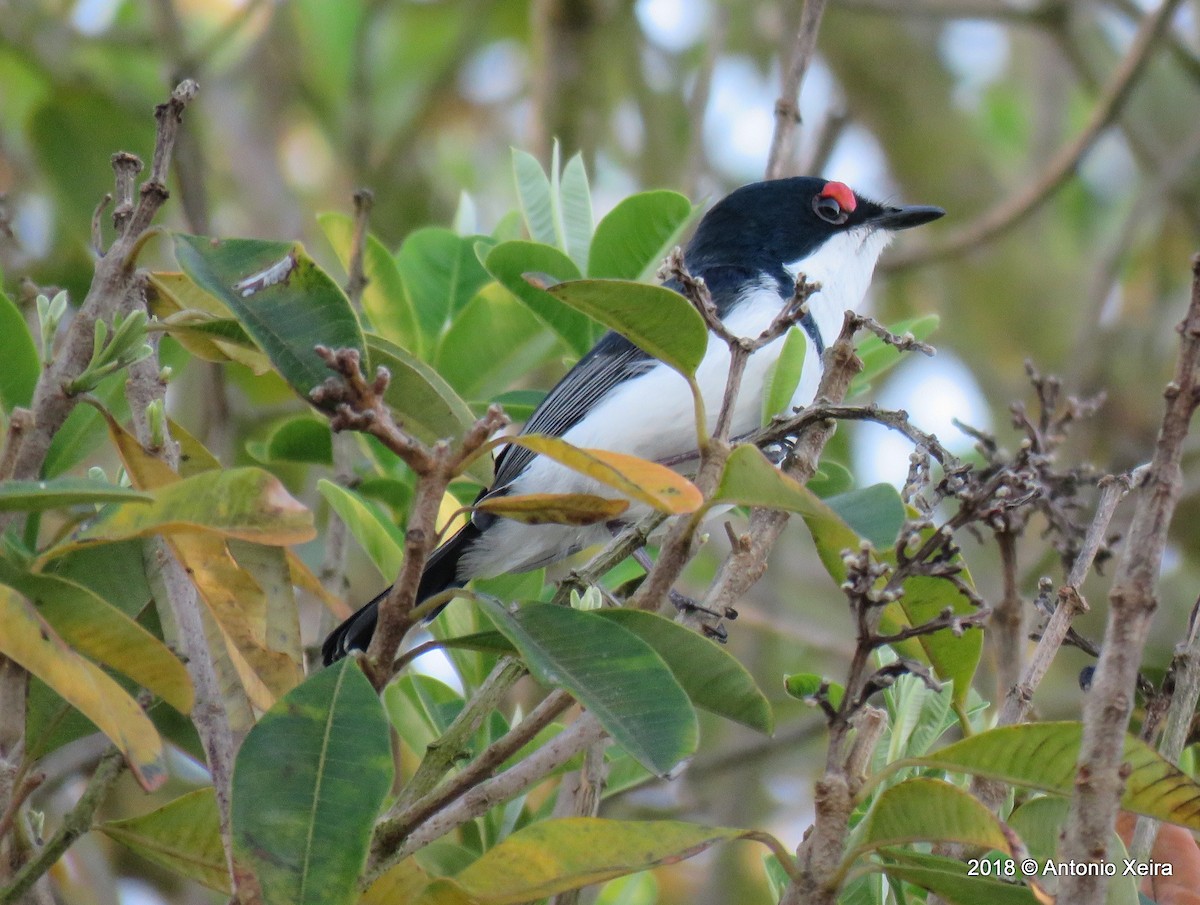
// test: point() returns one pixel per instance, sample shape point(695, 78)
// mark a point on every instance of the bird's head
point(803, 224)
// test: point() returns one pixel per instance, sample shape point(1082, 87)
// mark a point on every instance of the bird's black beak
point(894, 218)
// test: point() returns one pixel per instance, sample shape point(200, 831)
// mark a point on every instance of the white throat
point(843, 266)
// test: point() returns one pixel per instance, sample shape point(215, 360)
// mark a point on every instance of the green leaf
point(1044, 755)
point(441, 274)
point(831, 478)
point(29, 641)
point(97, 629)
point(509, 261)
point(660, 322)
point(384, 298)
point(878, 357)
point(183, 836)
point(806, 686)
point(783, 375)
point(712, 677)
point(575, 211)
point(35, 496)
point(424, 404)
point(375, 533)
point(84, 428)
point(493, 342)
point(533, 192)
point(874, 513)
point(948, 878)
point(300, 438)
point(612, 672)
point(928, 810)
point(246, 503)
point(420, 708)
point(633, 239)
point(749, 479)
point(21, 368)
point(285, 301)
point(308, 784)
point(553, 856)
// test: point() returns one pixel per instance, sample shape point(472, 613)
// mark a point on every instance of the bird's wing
point(612, 360)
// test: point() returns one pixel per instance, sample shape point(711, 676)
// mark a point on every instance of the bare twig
point(1132, 603)
point(512, 782)
point(359, 405)
point(111, 283)
point(781, 158)
point(390, 832)
point(76, 822)
point(1062, 165)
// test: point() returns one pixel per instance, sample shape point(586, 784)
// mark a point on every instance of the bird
point(750, 248)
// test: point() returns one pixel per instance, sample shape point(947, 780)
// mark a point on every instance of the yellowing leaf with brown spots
point(29, 641)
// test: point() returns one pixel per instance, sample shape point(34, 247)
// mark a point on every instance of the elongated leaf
point(301, 438)
point(556, 855)
point(712, 677)
point(21, 368)
point(402, 883)
point(424, 403)
point(246, 503)
point(183, 836)
point(554, 508)
point(97, 629)
point(29, 640)
point(633, 238)
point(806, 686)
point(575, 211)
point(660, 322)
point(655, 485)
point(948, 877)
point(1043, 756)
point(533, 192)
point(441, 274)
point(924, 810)
point(612, 672)
point(509, 261)
point(783, 375)
point(302, 822)
point(269, 568)
point(874, 513)
point(750, 480)
point(381, 539)
point(492, 342)
point(283, 299)
point(34, 496)
point(384, 298)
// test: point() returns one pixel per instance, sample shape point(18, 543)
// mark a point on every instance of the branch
point(1062, 165)
point(111, 283)
point(781, 158)
point(512, 782)
point(1132, 602)
point(389, 833)
point(77, 822)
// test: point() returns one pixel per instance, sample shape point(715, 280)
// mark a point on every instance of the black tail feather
point(441, 572)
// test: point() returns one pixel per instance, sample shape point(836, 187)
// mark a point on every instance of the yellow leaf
point(648, 482)
point(28, 640)
point(554, 508)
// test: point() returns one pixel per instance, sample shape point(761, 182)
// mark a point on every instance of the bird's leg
point(686, 604)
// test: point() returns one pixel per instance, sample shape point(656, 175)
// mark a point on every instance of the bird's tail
point(441, 572)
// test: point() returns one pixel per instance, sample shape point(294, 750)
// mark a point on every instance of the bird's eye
point(830, 210)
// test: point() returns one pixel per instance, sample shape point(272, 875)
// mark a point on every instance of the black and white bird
point(750, 248)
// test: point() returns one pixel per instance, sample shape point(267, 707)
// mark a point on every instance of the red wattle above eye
point(841, 193)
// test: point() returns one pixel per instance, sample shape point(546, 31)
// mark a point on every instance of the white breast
point(651, 415)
